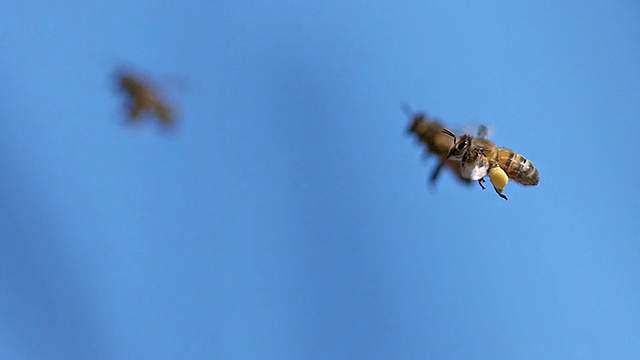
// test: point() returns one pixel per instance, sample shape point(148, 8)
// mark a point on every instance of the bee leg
point(435, 173)
point(501, 194)
point(480, 181)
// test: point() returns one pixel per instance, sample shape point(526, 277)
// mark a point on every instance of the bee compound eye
point(461, 145)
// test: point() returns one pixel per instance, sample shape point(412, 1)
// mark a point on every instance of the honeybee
point(479, 157)
point(143, 99)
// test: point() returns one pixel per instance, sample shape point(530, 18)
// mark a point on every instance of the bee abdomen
point(517, 167)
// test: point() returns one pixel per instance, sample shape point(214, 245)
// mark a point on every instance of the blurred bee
point(143, 99)
point(479, 157)
point(430, 133)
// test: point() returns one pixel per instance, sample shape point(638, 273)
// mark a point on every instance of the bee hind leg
point(501, 194)
point(435, 173)
point(480, 181)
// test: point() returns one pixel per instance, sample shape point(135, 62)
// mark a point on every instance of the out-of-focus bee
point(430, 133)
point(479, 157)
point(143, 99)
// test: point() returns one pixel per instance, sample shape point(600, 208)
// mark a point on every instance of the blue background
point(287, 215)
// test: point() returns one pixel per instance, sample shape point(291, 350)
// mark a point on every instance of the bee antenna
point(406, 108)
point(446, 131)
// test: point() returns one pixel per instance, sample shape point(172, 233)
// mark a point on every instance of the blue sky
point(287, 216)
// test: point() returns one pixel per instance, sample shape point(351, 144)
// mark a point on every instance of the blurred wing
point(481, 131)
point(164, 113)
point(135, 110)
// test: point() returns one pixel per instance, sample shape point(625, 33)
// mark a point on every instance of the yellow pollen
point(498, 177)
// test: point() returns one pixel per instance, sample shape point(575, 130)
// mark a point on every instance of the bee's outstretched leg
point(501, 194)
point(480, 181)
point(435, 173)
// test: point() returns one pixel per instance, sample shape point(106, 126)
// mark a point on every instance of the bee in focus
point(479, 157)
point(143, 99)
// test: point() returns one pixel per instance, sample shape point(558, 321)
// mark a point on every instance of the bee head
point(459, 145)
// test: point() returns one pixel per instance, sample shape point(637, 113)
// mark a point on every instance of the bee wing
point(135, 110)
point(164, 112)
point(481, 131)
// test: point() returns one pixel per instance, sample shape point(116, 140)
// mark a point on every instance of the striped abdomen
point(517, 167)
